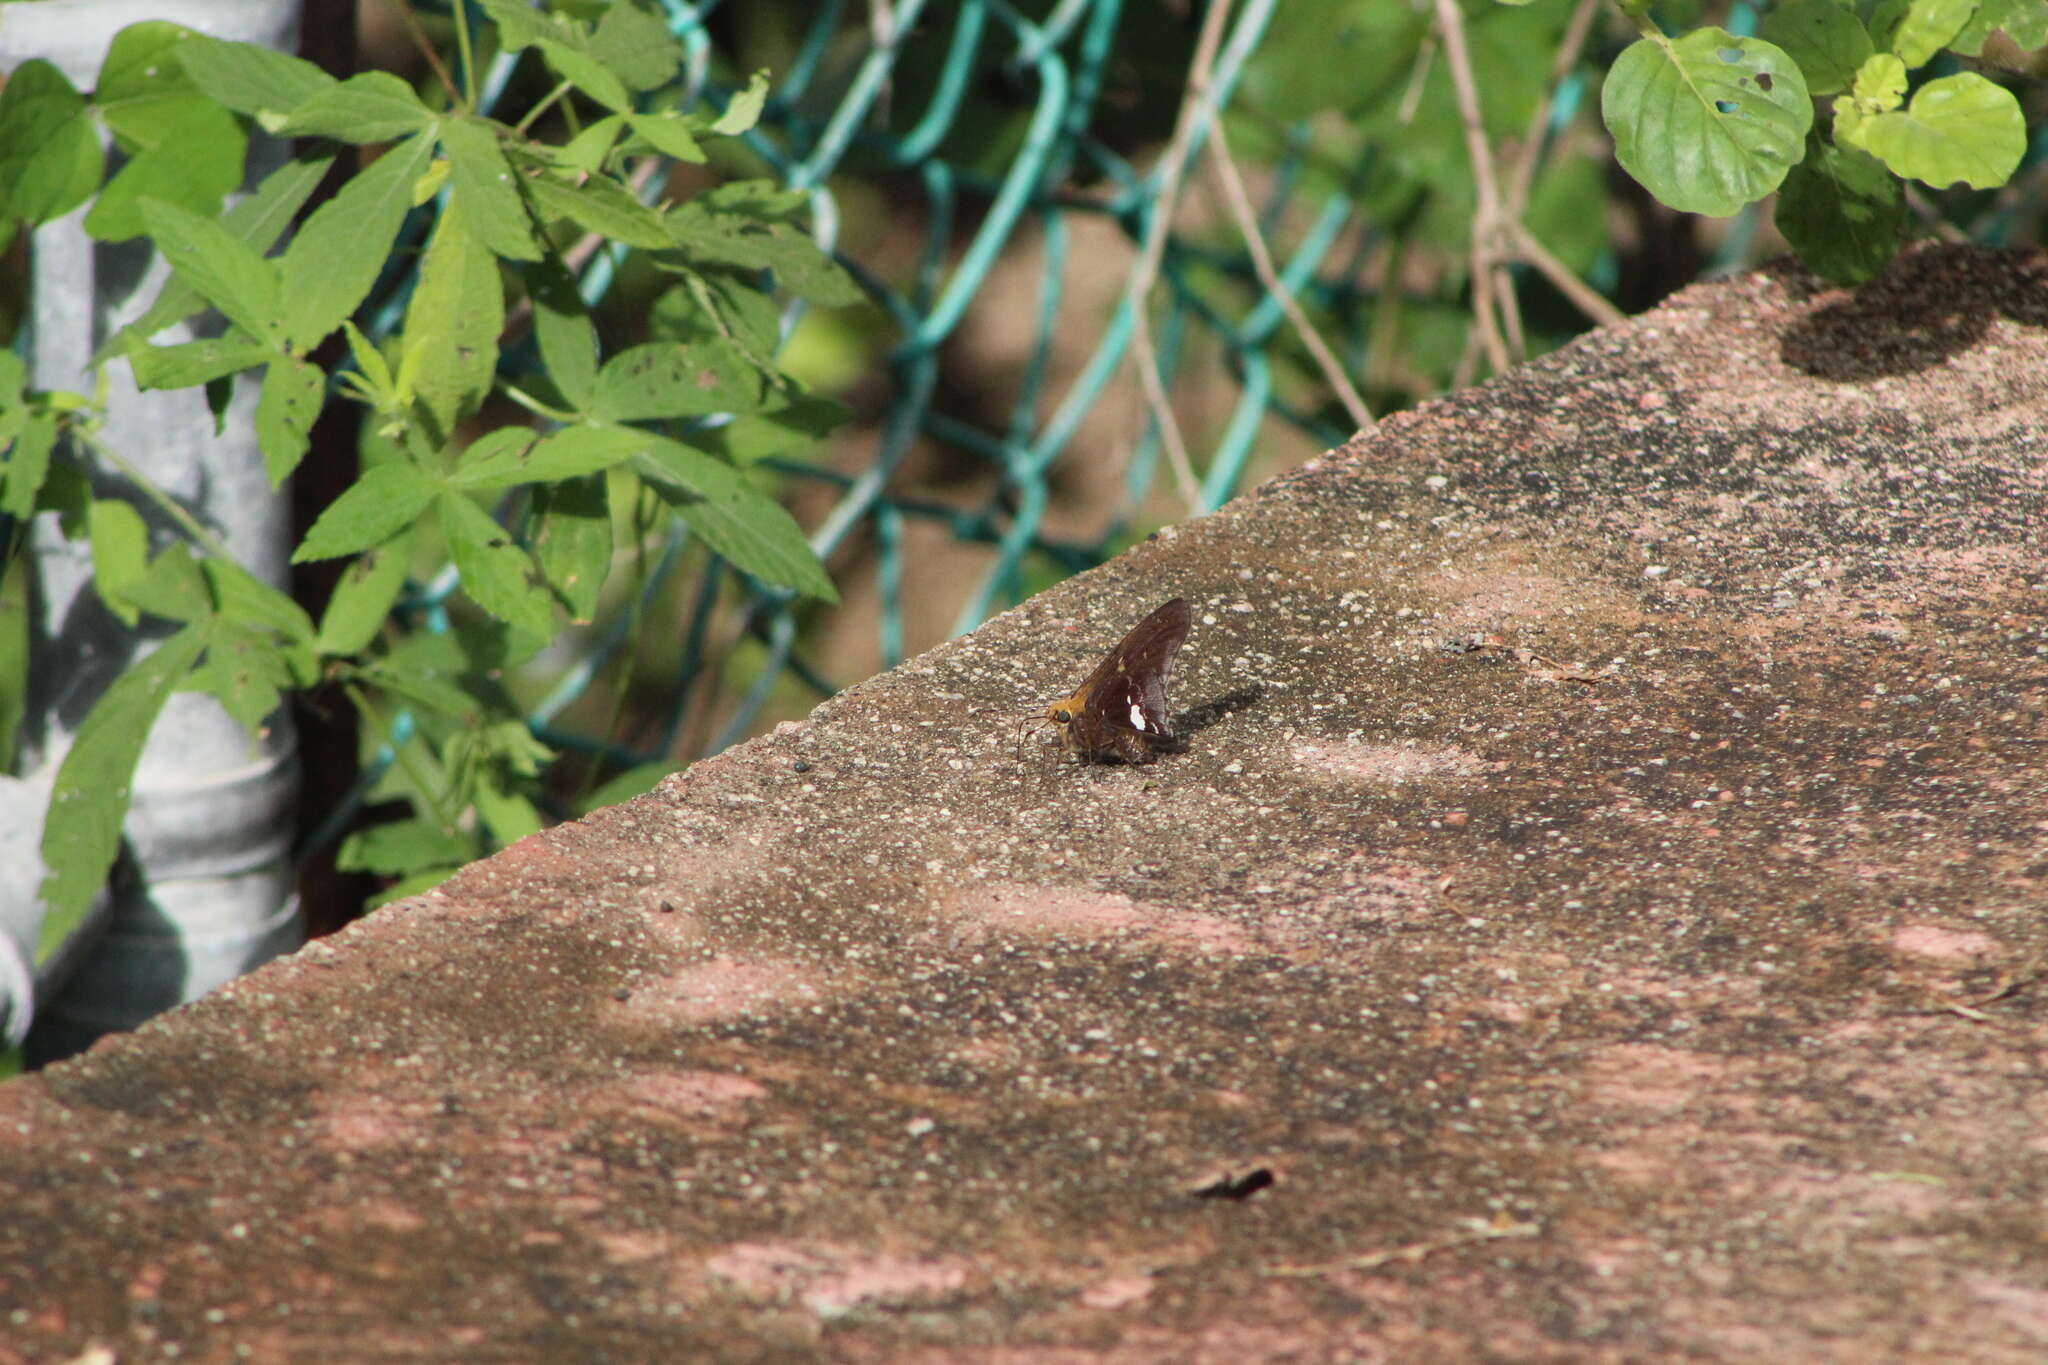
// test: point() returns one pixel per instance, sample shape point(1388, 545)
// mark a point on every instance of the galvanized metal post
point(205, 887)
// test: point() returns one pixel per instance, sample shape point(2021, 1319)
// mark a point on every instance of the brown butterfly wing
point(1127, 691)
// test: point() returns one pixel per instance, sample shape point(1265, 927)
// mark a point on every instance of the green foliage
point(523, 513)
point(1709, 122)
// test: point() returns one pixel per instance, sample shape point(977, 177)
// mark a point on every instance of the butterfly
point(1120, 712)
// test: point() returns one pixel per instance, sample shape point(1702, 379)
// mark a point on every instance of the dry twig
point(1174, 163)
point(1232, 184)
point(1498, 1229)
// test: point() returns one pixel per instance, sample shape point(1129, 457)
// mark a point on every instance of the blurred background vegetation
point(1122, 259)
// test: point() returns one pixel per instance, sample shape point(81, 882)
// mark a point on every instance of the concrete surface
point(1660, 979)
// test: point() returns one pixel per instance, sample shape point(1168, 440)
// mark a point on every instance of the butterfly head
point(1064, 712)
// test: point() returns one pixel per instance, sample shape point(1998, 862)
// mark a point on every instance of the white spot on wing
point(1137, 717)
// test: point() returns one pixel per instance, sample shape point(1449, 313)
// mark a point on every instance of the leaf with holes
point(1708, 122)
point(572, 539)
point(364, 596)
point(670, 379)
point(293, 391)
point(454, 319)
point(498, 575)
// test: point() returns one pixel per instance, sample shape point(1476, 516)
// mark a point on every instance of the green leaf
point(598, 205)
point(373, 373)
point(1880, 83)
point(1927, 28)
point(224, 272)
point(90, 798)
point(762, 200)
point(1708, 122)
point(1827, 41)
point(456, 672)
point(587, 73)
point(363, 598)
point(143, 89)
point(248, 79)
point(430, 182)
point(194, 165)
point(454, 317)
point(516, 455)
point(483, 178)
point(142, 63)
point(792, 428)
point(2023, 21)
point(489, 764)
point(403, 846)
point(372, 106)
point(745, 237)
point(746, 526)
point(256, 221)
point(562, 326)
point(174, 587)
point(247, 672)
point(192, 362)
point(498, 575)
point(636, 45)
point(508, 815)
point(565, 44)
point(246, 600)
point(502, 452)
point(718, 304)
point(744, 110)
point(520, 25)
point(28, 464)
point(572, 539)
point(585, 153)
point(68, 493)
point(337, 255)
point(50, 157)
point(670, 134)
point(293, 392)
point(670, 379)
point(376, 507)
point(1842, 212)
point(441, 696)
point(1961, 127)
point(120, 554)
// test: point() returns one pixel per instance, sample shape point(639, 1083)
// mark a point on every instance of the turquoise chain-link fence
point(941, 145)
point(987, 130)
